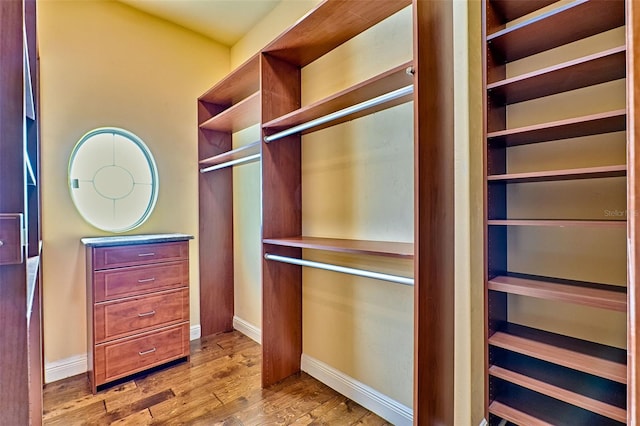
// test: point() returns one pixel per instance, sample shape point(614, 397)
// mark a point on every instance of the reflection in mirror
point(113, 179)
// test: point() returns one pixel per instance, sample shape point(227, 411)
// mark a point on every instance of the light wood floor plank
point(219, 385)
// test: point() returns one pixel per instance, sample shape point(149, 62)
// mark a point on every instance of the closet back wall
point(106, 64)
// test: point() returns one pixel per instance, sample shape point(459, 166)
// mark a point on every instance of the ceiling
point(225, 21)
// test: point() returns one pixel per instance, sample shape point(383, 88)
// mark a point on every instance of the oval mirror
point(113, 179)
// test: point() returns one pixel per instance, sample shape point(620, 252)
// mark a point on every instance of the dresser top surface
point(123, 240)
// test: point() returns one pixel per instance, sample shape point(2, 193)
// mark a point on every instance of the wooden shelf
point(580, 355)
point(586, 71)
point(327, 26)
point(237, 117)
point(235, 154)
point(558, 223)
point(395, 78)
point(238, 85)
point(377, 248)
point(595, 124)
point(510, 10)
point(570, 397)
point(577, 20)
point(559, 175)
point(588, 294)
point(514, 415)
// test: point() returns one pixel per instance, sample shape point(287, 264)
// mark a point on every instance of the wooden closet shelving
point(588, 294)
point(587, 71)
point(377, 248)
point(594, 124)
point(231, 105)
point(395, 78)
point(281, 108)
point(270, 84)
point(535, 376)
point(235, 154)
point(578, 19)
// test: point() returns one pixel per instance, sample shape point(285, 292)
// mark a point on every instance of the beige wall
point(106, 64)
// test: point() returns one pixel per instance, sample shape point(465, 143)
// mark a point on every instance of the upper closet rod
point(335, 268)
point(407, 90)
point(231, 163)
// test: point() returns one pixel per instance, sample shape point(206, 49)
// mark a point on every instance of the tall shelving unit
point(535, 376)
point(20, 239)
point(230, 106)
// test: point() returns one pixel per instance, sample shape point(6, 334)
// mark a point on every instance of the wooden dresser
point(137, 303)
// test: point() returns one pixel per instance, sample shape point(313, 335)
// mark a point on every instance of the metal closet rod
point(231, 163)
point(343, 269)
point(407, 90)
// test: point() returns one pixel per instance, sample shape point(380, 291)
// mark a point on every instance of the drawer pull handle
point(147, 314)
point(146, 280)
point(1, 243)
point(150, 351)
point(146, 254)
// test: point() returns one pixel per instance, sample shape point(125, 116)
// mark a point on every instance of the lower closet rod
point(231, 163)
point(335, 268)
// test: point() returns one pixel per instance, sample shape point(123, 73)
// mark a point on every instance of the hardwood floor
point(219, 386)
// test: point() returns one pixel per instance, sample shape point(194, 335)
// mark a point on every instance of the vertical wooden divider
point(215, 234)
point(434, 218)
point(281, 217)
point(633, 207)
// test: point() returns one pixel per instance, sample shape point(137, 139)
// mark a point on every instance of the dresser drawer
point(136, 280)
point(113, 320)
point(10, 238)
point(139, 254)
point(120, 358)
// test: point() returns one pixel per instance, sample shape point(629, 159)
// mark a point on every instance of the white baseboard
point(58, 370)
point(484, 422)
point(195, 332)
point(387, 408)
point(248, 329)
point(77, 364)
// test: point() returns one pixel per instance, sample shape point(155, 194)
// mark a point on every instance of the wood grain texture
point(494, 117)
point(602, 408)
point(516, 416)
point(569, 358)
point(282, 217)
point(563, 174)
point(11, 239)
point(379, 248)
point(434, 220)
point(594, 124)
point(381, 84)
point(215, 237)
point(138, 316)
point(560, 223)
point(126, 317)
point(510, 10)
point(586, 71)
point(141, 279)
point(15, 372)
point(237, 117)
point(238, 85)
point(604, 297)
point(633, 205)
point(578, 19)
point(234, 154)
point(327, 26)
point(221, 385)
